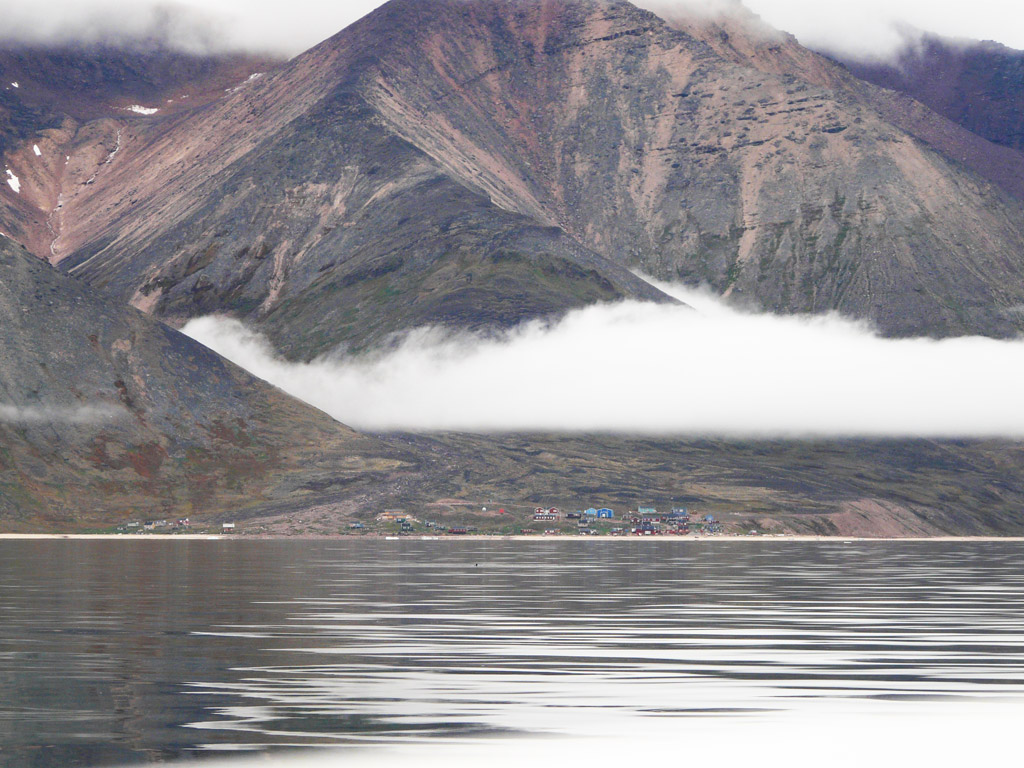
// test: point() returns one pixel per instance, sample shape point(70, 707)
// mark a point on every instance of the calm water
point(129, 651)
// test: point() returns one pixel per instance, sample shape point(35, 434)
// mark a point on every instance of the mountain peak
point(477, 164)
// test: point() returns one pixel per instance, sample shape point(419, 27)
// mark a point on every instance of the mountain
point(101, 81)
point(978, 85)
point(472, 165)
point(478, 164)
point(106, 413)
point(339, 231)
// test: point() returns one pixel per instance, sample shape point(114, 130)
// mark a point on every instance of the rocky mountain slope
point(295, 166)
point(106, 413)
point(476, 164)
point(744, 39)
point(64, 109)
point(978, 85)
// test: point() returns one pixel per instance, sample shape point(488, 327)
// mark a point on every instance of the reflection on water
point(128, 650)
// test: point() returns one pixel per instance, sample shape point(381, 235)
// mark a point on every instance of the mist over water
point(644, 368)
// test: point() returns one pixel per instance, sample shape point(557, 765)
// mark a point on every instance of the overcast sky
point(860, 26)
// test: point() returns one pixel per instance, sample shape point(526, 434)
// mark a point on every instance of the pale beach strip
point(495, 537)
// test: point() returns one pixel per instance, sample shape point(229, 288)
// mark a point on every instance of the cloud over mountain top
point(192, 26)
point(870, 28)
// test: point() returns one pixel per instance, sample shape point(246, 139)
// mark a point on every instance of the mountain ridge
point(976, 84)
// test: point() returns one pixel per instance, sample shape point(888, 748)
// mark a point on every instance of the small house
point(605, 514)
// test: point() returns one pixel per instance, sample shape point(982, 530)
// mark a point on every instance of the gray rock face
point(105, 412)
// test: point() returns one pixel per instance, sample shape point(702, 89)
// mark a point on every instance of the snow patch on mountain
point(251, 78)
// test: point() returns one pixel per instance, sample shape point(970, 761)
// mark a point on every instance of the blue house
point(590, 512)
point(605, 513)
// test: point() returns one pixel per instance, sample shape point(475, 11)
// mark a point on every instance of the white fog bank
point(644, 368)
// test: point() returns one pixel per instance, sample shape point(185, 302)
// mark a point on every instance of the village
point(544, 521)
point(593, 521)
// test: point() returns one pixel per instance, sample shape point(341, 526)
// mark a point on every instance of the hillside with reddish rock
point(536, 150)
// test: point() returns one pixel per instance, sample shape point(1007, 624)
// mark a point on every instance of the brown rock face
point(744, 39)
